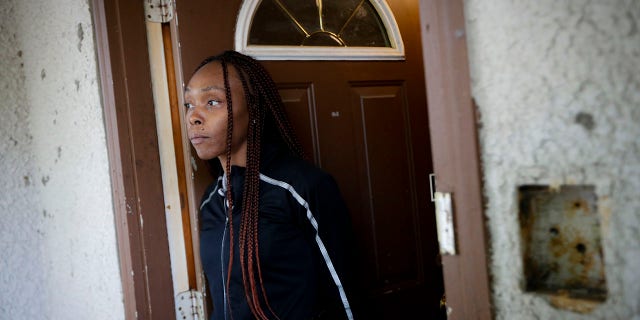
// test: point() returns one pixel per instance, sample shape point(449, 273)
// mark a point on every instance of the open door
point(363, 121)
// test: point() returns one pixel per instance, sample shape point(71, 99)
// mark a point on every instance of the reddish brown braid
point(265, 109)
point(246, 241)
point(229, 193)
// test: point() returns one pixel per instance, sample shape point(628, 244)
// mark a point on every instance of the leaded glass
point(344, 23)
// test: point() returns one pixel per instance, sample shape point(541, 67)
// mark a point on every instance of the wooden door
point(366, 123)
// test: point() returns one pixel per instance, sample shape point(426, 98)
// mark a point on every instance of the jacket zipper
point(224, 286)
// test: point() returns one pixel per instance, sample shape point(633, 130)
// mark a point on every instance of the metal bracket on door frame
point(158, 10)
point(432, 186)
point(445, 223)
point(444, 218)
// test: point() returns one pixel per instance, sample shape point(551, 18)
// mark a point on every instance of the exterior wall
point(57, 233)
point(557, 85)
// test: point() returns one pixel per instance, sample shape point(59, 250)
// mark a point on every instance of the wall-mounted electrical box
point(562, 250)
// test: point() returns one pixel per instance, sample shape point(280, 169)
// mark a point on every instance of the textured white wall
point(557, 84)
point(57, 236)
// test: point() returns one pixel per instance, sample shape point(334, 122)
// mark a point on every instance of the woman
point(275, 235)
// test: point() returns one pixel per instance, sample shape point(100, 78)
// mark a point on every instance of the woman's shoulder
point(297, 172)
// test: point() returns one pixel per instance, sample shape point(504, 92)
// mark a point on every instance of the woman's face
point(206, 115)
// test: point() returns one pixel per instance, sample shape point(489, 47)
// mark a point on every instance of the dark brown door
point(366, 123)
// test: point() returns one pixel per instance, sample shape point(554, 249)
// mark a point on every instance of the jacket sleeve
point(339, 294)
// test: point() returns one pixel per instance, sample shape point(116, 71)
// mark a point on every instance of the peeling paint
point(633, 24)
point(586, 120)
point(80, 36)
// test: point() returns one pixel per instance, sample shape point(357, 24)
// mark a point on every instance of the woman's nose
point(195, 118)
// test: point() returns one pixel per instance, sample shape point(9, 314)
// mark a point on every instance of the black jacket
point(305, 242)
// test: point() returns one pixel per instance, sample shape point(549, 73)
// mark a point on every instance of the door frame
point(455, 152)
point(134, 160)
point(135, 171)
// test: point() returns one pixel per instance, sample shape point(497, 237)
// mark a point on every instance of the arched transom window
point(318, 30)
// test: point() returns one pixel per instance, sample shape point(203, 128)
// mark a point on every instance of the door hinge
point(189, 305)
point(158, 10)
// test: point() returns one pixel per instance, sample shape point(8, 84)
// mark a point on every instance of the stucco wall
point(557, 84)
point(57, 237)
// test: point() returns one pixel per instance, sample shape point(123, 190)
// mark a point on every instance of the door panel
point(386, 183)
point(366, 123)
point(299, 102)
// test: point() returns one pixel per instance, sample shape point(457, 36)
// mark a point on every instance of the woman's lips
point(197, 139)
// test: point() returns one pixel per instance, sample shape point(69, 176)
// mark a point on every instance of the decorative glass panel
point(319, 30)
point(318, 23)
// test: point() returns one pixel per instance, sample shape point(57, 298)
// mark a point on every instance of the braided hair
point(267, 122)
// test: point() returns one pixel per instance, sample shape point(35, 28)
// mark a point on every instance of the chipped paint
point(80, 36)
point(586, 120)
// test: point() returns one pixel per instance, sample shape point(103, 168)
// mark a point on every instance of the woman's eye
point(213, 102)
point(188, 105)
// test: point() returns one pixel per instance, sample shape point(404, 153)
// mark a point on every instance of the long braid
point(253, 176)
point(250, 212)
point(229, 193)
point(256, 116)
point(264, 105)
point(251, 191)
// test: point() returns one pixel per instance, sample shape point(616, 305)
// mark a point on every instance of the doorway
point(366, 123)
point(122, 56)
